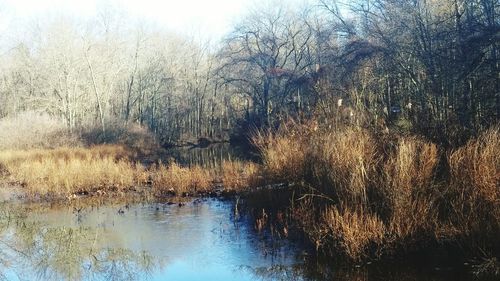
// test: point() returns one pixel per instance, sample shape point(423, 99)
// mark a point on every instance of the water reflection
point(211, 156)
point(315, 271)
point(130, 242)
point(156, 241)
point(34, 250)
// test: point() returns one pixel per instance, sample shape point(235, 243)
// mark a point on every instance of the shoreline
point(349, 196)
point(440, 258)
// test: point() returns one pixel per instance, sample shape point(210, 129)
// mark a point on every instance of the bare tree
point(266, 58)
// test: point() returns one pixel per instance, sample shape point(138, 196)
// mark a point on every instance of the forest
point(419, 66)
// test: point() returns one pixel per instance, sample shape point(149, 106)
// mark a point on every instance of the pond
point(211, 156)
point(198, 240)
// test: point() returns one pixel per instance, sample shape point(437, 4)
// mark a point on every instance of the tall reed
point(362, 195)
point(474, 190)
point(408, 188)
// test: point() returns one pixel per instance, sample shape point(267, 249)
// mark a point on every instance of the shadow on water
point(201, 240)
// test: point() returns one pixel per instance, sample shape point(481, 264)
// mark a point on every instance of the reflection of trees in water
point(33, 250)
point(211, 156)
point(120, 264)
point(309, 267)
point(314, 270)
point(276, 273)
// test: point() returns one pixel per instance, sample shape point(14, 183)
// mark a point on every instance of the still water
point(201, 240)
point(211, 156)
point(198, 241)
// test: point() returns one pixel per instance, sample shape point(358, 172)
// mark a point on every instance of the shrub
point(30, 130)
point(131, 135)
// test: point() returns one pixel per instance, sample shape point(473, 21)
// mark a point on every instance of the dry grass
point(116, 152)
point(282, 153)
point(363, 195)
point(67, 171)
point(68, 177)
point(474, 191)
point(354, 233)
point(132, 135)
point(407, 186)
point(342, 167)
point(367, 195)
point(238, 175)
point(234, 176)
point(178, 180)
point(30, 130)
point(341, 163)
point(344, 164)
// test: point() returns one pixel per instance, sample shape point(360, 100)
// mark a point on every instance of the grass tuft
point(239, 175)
point(474, 189)
point(178, 180)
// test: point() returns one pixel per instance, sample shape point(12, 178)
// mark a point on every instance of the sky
point(211, 18)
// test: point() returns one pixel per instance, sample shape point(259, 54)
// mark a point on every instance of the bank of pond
point(350, 204)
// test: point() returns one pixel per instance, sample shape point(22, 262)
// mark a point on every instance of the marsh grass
point(65, 171)
point(354, 193)
point(240, 175)
point(344, 164)
point(233, 176)
point(474, 189)
point(353, 232)
point(364, 196)
point(177, 180)
point(408, 187)
point(281, 154)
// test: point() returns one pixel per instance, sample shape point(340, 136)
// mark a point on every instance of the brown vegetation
point(408, 189)
point(178, 180)
point(104, 168)
point(359, 194)
point(133, 136)
point(364, 196)
point(344, 163)
point(352, 231)
point(474, 191)
point(239, 175)
point(282, 154)
point(65, 171)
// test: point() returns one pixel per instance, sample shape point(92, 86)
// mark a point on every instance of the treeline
point(420, 66)
point(107, 72)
